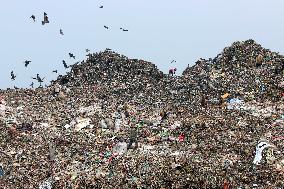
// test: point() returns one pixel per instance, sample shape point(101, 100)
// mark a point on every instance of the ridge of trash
point(118, 122)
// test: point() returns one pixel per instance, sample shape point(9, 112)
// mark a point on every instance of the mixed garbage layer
point(121, 123)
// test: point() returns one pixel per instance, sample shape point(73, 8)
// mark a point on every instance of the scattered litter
point(192, 131)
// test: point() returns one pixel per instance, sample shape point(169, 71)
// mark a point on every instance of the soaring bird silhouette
point(106, 27)
point(101, 7)
point(32, 85)
point(33, 17)
point(71, 55)
point(124, 29)
point(54, 71)
point(27, 62)
point(45, 19)
point(64, 64)
point(61, 32)
point(38, 78)
point(13, 76)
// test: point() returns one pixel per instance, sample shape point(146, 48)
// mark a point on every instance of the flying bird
point(45, 19)
point(64, 64)
point(27, 62)
point(38, 78)
point(173, 61)
point(54, 71)
point(15, 87)
point(87, 50)
point(61, 32)
point(13, 76)
point(106, 27)
point(71, 55)
point(101, 7)
point(32, 85)
point(124, 29)
point(33, 17)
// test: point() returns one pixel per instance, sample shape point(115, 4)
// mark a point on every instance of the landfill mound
point(244, 69)
point(121, 123)
point(108, 66)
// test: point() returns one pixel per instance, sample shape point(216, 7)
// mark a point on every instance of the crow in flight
point(71, 55)
point(106, 27)
point(39, 79)
point(13, 76)
point(124, 29)
point(32, 85)
point(45, 19)
point(101, 7)
point(27, 62)
point(173, 61)
point(87, 50)
point(61, 32)
point(33, 17)
point(54, 71)
point(64, 64)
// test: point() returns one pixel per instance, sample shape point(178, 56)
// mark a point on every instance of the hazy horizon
point(159, 32)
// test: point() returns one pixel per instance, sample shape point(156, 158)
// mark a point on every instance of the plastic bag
point(259, 148)
point(117, 124)
point(120, 148)
point(2, 173)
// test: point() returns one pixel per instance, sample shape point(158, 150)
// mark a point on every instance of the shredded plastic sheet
point(82, 123)
point(117, 124)
point(235, 103)
point(45, 185)
point(2, 109)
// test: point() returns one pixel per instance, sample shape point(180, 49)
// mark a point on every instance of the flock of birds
point(38, 78)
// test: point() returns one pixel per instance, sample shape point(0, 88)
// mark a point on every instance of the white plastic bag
point(120, 148)
point(259, 148)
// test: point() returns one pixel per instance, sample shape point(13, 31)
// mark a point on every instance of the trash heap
point(118, 122)
point(243, 69)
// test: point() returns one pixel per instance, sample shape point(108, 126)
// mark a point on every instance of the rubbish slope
point(219, 124)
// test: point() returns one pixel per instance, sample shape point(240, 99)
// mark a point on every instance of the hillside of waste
point(244, 69)
point(121, 123)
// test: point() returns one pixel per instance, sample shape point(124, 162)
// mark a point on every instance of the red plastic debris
point(226, 185)
point(181, 137)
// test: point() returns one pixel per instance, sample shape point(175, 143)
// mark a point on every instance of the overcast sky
point(159, 31)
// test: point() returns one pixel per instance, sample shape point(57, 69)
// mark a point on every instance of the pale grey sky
point(159, 31)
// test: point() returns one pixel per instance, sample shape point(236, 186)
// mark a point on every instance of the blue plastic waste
point(1, 172)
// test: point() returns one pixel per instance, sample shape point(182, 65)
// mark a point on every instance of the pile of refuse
point(243, 69)
point(118, 122)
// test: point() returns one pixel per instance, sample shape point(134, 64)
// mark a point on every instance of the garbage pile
point(243, 69)
point(118, 122)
